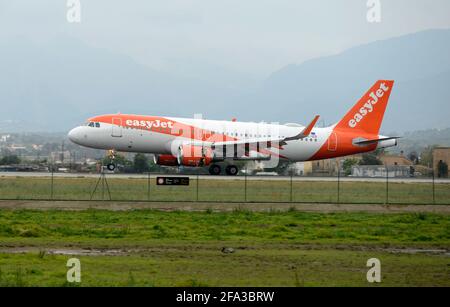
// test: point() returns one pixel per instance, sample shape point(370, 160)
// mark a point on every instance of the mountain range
point(54, 85)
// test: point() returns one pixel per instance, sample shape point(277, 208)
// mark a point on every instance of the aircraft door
point(332, 142)
point(116, 127)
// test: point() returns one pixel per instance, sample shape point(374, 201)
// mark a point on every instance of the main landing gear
point(215, 169)
point(230, 170)
point(112, 155)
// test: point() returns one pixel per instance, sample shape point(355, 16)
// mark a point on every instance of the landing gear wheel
point(231, 170)
point(111, 167)
point(214, 169)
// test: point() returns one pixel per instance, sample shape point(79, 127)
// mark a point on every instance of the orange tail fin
point(367, 114)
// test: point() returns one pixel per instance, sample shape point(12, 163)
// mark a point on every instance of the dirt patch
point(79, 251)
point(414, 251)
point(220, 207)
point(66, 251)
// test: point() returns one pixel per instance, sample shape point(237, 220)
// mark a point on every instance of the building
point(60, 156)
point(374, 171)
point(4, 138)
point(440, 154)
point(392, 166)
point(395, 160)
point(330, 167)
point(300, 168)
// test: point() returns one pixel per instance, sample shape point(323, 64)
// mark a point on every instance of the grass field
point(225, 191)
point(154, 248)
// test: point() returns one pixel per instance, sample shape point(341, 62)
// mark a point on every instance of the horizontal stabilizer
point(365, 142)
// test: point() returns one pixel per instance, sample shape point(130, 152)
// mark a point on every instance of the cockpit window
point(97, 125)
point(91, 124)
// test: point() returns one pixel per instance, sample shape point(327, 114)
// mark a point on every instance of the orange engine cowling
point(189, 155)
point(166, 160)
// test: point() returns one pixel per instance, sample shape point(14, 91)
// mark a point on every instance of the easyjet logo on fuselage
point(369, 106)
point(149, 124)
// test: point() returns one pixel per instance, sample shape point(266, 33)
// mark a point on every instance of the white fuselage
point(133, 139)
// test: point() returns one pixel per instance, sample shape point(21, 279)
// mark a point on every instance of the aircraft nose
point(75, 135)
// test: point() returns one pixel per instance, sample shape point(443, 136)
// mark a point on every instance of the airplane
point(200, 142)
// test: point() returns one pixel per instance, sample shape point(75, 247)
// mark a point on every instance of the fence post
point(387, 185)
point(51, 185)
point(103, 185)
point(434, 192)
point(148, 186)
point(291, 188)
point(245, 183)
point(197, 186)
point(338, 184)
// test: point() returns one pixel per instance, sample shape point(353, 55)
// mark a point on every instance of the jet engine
point(189, 155)
point(166, 160)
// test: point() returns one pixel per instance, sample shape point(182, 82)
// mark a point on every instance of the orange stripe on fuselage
point(167, 126)
point(164, 126)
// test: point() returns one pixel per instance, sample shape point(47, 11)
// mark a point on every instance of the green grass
point(198, 267)
point(144, 227)
point(184, 248)
point(225, 191)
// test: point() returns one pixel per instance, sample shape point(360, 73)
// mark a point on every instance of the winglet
point(305, 132)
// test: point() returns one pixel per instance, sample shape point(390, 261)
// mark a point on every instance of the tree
point(118, 160)
point(347, 165)
point(141, 164)
point(426, 157)
point(12, 159)
point(413, 157)
point(370, 159)
point(442, 169)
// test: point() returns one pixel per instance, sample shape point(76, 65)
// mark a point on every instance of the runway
point(210, 177)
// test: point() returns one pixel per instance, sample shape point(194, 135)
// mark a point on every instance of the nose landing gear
point(112, 155)
point(111, 167)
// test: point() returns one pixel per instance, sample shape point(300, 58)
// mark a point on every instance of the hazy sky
point(255, 37)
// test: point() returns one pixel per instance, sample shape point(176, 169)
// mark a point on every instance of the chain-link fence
point(205, 188)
